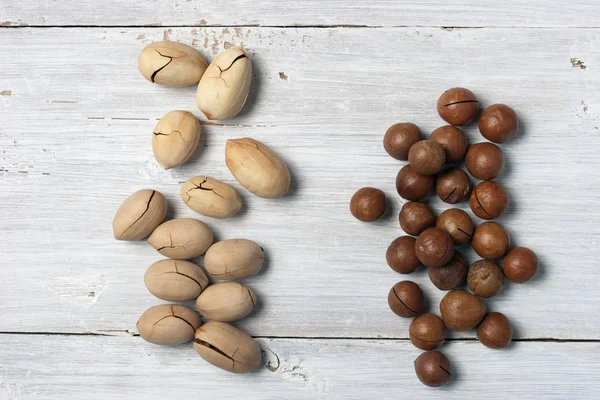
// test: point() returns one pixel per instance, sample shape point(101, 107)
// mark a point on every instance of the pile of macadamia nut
point(223, 87)
point(432, 166)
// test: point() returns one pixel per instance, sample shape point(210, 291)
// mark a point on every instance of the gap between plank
point(338, 26)
point(112, 333)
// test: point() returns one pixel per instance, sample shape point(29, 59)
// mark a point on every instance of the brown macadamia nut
point(485, 278)
point(368, 204)
point(488, 200)
point(434, 248)
point(433, 368)
point(484, 161)
point(401, 255)
point(458, 224)
point(413, 186)
point(427, 332)
point(490, 240)
point(406, 299)
point(498, 123)
point(451, 275)
point(520, 265)
point(457, 106)
point(415, 217)
point(399, 138)
point(453, 186)
point(453, 140)
point(495, 331)
point(461, 311)
point(427, 157)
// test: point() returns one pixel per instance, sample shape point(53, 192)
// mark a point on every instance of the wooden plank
point(77, 117)
point(451, 13)
point(61, 367)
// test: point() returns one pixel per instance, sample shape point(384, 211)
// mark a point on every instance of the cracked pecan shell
point(171, 64)
point(211, 197)
point(139, 215)
point(234, 259)
point(175, 138)
point(181, 238)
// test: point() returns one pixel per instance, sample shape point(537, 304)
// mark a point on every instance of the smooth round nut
point(368, 204)
point(224, 87)
point(520, 264)
point(427, 332)
point(453, 186)
point(433, 368)
point(461, 311)
point(427, 157)
point(181, 238)
point(495, 331)
point(234, 259)
point(257, 168)
point(171, 64)
point(457, 106)
point(434, 248)
point(211, 197)
point(457, 224)
point(226, 301)
point(413, 186)
point(488, 200)
point(227, 347)
point(451, 275)
point(485, 278)
point(139, 215)
point(485, 161)
point(453, 140)
point(415, 217)
point(406, 299)
point(168, 324)
point(175, 138)
point(175, 280)
point(401, 256)
point(498, 123)
point(490, 240)
point(399, 138)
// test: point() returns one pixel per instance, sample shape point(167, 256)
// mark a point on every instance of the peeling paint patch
point(6, 93)
point(283, 76)
point(140, 37)
point(62, 101)
point(77, 289)
point(576, 63)
point(203, 22)
point(228, 45)
point(167, 34)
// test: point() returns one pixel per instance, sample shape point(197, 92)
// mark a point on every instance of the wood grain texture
point(58, 367)
point(461, 13)
point(76, 141)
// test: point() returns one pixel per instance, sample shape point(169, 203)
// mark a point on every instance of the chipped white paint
point(78, 290)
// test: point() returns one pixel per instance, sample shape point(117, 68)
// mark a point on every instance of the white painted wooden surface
point(507, 13)
point(76, 140)
point(76, 367)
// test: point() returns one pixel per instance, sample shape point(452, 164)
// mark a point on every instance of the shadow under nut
point(227, 347)
point(181, 238)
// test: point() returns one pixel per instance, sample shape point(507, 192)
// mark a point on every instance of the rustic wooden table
point(329, 78)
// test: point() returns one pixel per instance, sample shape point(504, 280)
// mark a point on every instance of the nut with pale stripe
point(224, 87)
point(211, 197)
point(171, 64)
point(181, 238)
point(175, 138)
point(234, 259)
point(168, 324)
point(175, 280)
point(139, 215)
point(227, 347)
point(226, 302)
point(257, 168)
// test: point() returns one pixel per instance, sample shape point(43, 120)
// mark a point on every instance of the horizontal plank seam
point(337, 26)
point(117, 333)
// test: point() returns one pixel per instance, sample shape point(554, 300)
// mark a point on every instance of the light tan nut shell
point(257, 168)
point(226, 302)
point(175, 138)
point(139, 215)
point(181, 238)
point(224, 87)
point(234, 259)
point(227, 347)
point(210, 197)
point(171, 64)
point(175, 280)
point(168, 324)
